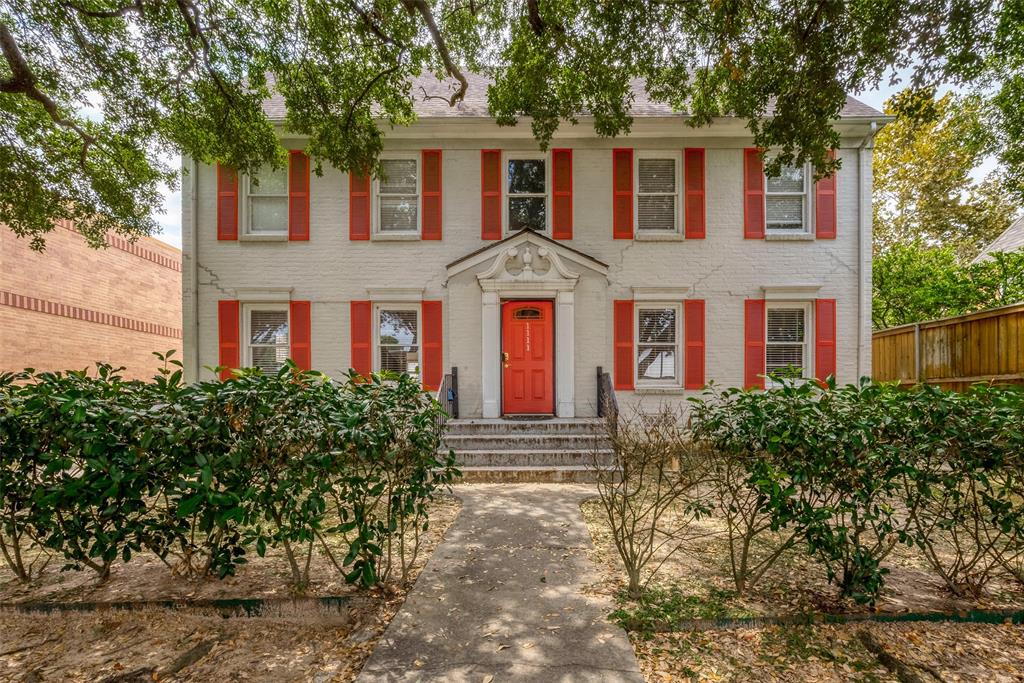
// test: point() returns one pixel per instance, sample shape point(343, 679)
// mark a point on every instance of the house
point(1011, 239)
point(70, 306)
point(665, 257)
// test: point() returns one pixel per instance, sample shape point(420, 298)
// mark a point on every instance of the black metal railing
point(448, 396)
point(607, 404)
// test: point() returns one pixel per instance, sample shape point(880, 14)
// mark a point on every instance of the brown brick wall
point(71, 306)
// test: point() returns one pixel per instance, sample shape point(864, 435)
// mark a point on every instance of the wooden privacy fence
point(954, 352)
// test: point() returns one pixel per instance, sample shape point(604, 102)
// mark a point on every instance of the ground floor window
point(266, 328)
point(657, 349)
point(787, 352)
point(398, 339)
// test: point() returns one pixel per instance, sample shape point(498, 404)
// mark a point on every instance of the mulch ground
point(695, 584)
point(284, 643)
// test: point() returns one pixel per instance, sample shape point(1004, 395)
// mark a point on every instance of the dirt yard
point(300, 641)
point(696, 584)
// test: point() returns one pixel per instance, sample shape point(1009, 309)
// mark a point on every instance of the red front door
point(528, 353)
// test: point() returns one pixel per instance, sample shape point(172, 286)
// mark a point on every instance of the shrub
point(651, 495)
point(851, 471)
point(98, 468)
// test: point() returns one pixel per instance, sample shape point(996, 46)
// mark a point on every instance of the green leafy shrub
point(99, 468)
point(851, 471)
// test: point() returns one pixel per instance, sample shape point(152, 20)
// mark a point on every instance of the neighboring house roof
point(1012, 239)
point(430, 95)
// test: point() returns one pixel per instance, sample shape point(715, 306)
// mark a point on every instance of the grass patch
point(663, 608)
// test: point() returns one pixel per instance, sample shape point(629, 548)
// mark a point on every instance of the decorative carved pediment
point(527, 260)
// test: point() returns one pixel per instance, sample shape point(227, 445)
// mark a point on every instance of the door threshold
point(529, 416)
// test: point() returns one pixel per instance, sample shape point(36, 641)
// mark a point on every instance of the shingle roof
point(1012, 239)
point(428, 91)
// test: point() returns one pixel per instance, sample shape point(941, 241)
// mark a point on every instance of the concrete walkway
point(501, 599)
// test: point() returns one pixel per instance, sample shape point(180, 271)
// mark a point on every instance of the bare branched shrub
point(754, 545)
point(651, 494)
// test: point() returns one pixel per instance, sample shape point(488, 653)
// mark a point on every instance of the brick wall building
point(71, 306)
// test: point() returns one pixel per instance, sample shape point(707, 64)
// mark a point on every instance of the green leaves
point(853, 470)
point(90, 469)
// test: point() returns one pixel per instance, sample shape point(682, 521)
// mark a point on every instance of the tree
point(189, 75)
point(915, 282)
point(923, 163)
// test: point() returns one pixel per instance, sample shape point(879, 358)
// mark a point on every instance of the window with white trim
point(266, 334)
point(787, 340)
point(526, 191)
point(785, 201)
point(266, 201)
point(398, 337)
point(658, 353)
point(657, 192)
point(398, 195)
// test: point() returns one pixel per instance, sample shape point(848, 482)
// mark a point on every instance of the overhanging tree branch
point(423, 9)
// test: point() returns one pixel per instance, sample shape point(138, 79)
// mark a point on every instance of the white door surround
point(528, 266)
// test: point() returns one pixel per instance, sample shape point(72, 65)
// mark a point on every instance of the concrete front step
point(533, 458)
point(520, 475)
point(482, 426)
point(522, 442)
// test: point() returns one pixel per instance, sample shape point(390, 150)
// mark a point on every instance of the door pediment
point(527, 260)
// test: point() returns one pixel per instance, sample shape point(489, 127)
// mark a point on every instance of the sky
point(169, 217)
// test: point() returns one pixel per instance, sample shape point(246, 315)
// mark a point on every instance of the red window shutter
point(623, 324)
point(358, 206)
point(753, 344)
point(824, 338)
point(432, 336)
point(227, 203)
point(300, 334)
point(431, 194)
point(622, 194)
point(693, 158)
point(490, 194)
point(561, 194)
point(693, 337)
point(825, 206)
point(227, 332)
point(753, 195)
point(298, 196)
point(361, 332)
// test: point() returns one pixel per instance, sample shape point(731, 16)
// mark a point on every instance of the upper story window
point(398, 195)
point(398, 339)
point(657, 192)
point(526, 191)
point(787, 351)
point(785, 201)
point(266, 328)
point(657, 348)
point(266, 201)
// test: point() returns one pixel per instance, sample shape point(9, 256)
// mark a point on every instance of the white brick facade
point(724, 269)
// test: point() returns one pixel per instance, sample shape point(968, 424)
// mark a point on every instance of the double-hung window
point(398, 196)
point(657, 350)
point(787, 349)
point(786, 203)
point(657, 192)
point(266, 201)
point(398, 334)
point(526, 192)
point(266, 332)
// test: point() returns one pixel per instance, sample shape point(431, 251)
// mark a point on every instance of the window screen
point(786, 343)
point(398, 341)
point(656, 345)
point(397, 195)
point(268, 200)
point(268, 339)
point(656, 194)
point(785, 200)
